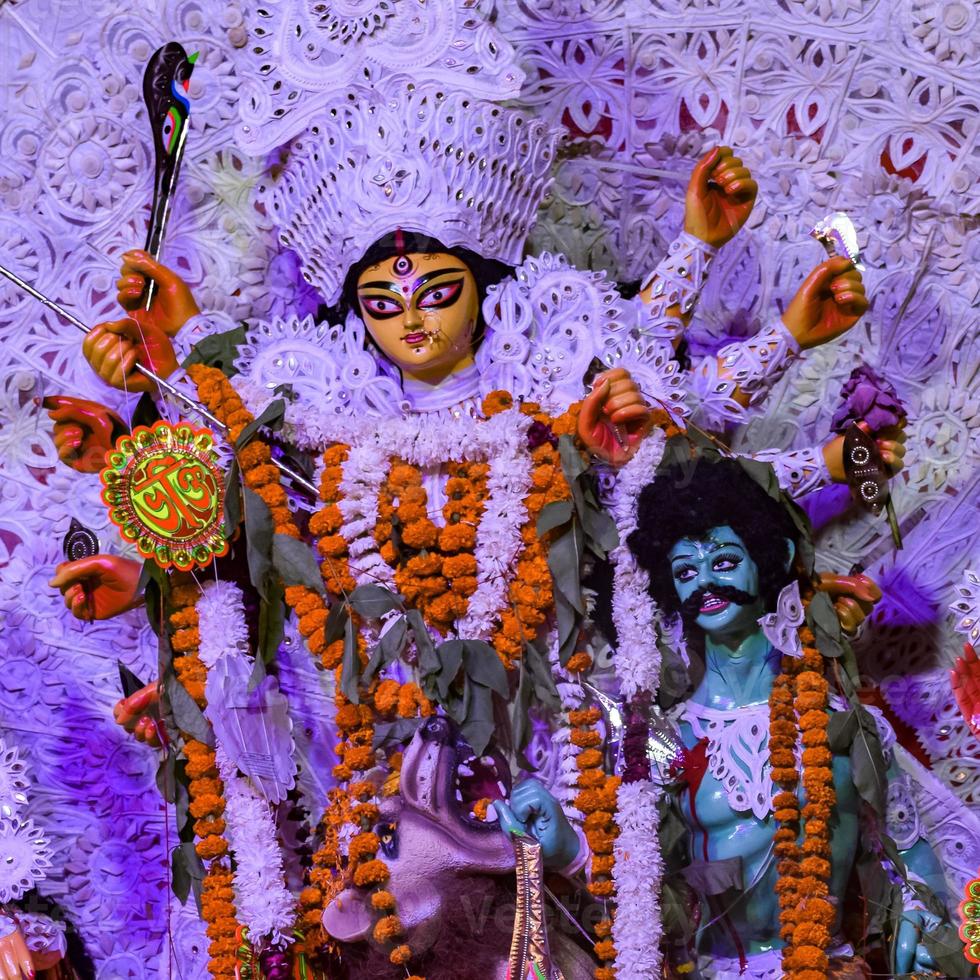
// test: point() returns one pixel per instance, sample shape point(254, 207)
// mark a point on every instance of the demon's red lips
point(711, 605)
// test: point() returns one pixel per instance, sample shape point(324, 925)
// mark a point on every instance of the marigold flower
point(387, 928)
point(386, 696)
point(207, 826)
point(584, 716)
point(496, 402)
point(420, 534)
point(211, 847)
point(578, 663)
point(605, 949)
point(362, 845)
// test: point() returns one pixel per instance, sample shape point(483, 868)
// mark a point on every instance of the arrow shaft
point(196, 407)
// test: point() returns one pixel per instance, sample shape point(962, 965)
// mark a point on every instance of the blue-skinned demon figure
point(722, 555)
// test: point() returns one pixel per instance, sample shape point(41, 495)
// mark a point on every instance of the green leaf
point(484, 666)
point(450, 656)
point(826, 628)
point(258, 537)
point(271, 418)
point(569, 622)
point(373, 601)
point(600, 529)
point(350, 670)
point(565, 564)
point(397, 732)
point(180, 879)
point(572, 464)
point(676, 903)
point(520, 721)
point(218, 350)
point(458, 704)
point(153, 583)
point(946, 949)
point(337, 618)
point(233, 499)
point(429, 662)
point(535, 665)
point(842, 726)
point(186, 714)
point(293, 560)
point(478, 726)
point(145, 413)
point(868, 762)
point(187, 871)
point(272, 628)
point(553, 515)
point(167, 777)
point(714, 877)
point(388, 648)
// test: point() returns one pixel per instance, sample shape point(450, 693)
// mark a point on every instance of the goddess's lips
point(414, 338)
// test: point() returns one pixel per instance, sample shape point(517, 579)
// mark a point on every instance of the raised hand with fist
point(830, 301)
point(614, 418)
point(99, 587)
point(84, 431)
point(720, 196)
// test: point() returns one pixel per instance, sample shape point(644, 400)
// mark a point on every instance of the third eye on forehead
point(400, 287)
point(698, 549)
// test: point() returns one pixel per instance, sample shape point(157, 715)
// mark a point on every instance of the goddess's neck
point(451, 391)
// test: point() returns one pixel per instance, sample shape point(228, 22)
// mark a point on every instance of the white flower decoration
point(967, 607)
point(25, 858)
point(13, 781)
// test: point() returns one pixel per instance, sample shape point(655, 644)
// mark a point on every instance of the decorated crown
point(392, 109)
point(461, 170)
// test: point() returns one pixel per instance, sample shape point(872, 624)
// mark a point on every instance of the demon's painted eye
point(388, 838)
point(726, 563)
point(381, 307)
point(685, 573)
point(442, 295)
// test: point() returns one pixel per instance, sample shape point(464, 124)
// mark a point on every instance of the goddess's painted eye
point(381, 307)
point(442, 295)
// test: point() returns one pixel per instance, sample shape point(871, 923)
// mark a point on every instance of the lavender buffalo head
point(452, 875)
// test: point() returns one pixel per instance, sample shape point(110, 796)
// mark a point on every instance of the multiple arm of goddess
point(728, 385)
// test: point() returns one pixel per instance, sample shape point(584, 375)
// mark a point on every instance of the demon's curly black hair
point(682, 502)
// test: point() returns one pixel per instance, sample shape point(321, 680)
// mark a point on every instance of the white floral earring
point(781, 628)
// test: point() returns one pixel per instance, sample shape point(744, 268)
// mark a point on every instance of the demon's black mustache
point(691, 606)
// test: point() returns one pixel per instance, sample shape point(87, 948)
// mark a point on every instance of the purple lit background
point(868, 106)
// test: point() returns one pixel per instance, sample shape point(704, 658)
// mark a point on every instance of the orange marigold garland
point(597, 802)
point(206, 792)
point(798, 710)
point(530, 591)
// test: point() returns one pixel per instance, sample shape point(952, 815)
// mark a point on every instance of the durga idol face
point(421, 310)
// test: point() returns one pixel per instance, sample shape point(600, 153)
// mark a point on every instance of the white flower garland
point(638, 869)
point(264, 904)
point(498, 538)
point(637, 873)
point(571, 694)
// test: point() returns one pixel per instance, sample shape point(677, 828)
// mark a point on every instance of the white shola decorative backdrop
point(868, 106)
